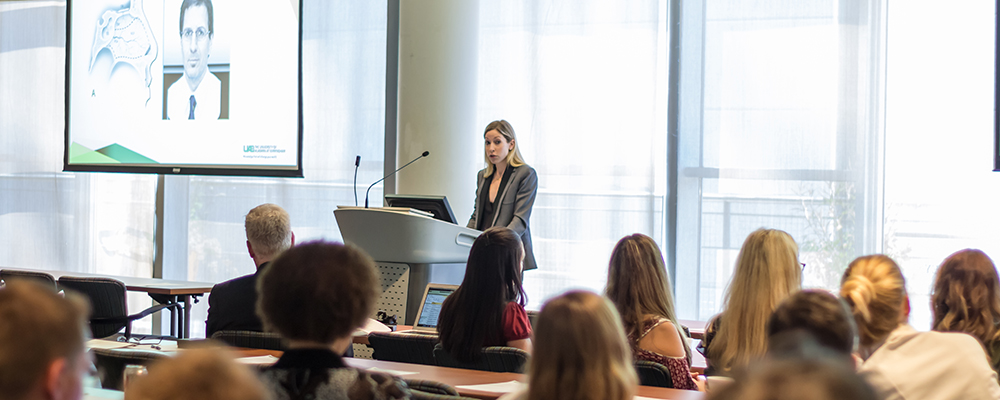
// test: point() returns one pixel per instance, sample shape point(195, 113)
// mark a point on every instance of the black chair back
point(107, 300)
point(109, 312)
point(653, 374)
point(252, 340)
point(7, 275)
point(494, 359)
point(408, 348)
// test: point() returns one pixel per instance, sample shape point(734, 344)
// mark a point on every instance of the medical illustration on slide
point(126, 33)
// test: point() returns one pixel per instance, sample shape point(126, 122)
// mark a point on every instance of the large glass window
point(780, 110)
point(584, 85)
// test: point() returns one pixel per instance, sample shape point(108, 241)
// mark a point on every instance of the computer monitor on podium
point(437, 205)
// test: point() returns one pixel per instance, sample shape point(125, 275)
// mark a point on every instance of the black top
point(490, 207)
point(232, 305)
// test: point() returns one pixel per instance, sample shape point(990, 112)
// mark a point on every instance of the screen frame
point(179, 169)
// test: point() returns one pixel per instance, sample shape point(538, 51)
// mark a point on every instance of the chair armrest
point(151, 310)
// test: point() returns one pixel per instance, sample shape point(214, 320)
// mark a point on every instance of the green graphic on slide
point(111, 154)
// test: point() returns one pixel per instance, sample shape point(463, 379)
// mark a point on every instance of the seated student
point(232, 304)
point(966, 298)
point(639, 287)
point(767, 271)
point(197, 374)
point(796, 379)
point(581, 352)
point(899, 362)
point(488, 308)
point(42, 350)
point(824, 317)
point(315, 296)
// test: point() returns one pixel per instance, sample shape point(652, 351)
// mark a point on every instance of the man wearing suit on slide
point(506, 188)
point(232, 305)
point(198, 93)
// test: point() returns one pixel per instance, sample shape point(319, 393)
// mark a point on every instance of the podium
point(407, 245)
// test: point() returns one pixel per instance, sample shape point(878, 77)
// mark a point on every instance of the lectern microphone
point(425, 154)
point(357, 164)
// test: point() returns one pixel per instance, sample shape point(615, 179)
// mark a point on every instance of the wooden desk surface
point(137, 284)
point(457, 377)
point(697, 360)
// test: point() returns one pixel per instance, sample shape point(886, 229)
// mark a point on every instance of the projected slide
point(183, 85)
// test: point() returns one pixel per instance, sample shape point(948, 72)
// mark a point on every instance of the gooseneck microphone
point(425, 154)
point(357, 164)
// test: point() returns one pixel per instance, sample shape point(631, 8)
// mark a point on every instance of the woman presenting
point(505, 189)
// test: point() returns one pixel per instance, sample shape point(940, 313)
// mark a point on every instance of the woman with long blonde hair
point(767, 272)
point(639, 288)
point(900, 362)
point(966, 298)
point(580, 352)
point(506, 188)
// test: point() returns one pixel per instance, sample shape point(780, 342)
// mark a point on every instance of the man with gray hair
point(232, 304)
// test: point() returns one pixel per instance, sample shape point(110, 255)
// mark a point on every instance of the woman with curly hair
point(966, 298)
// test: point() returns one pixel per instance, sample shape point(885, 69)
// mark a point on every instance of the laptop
point(430, 307)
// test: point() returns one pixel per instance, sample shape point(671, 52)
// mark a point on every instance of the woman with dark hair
point(488, 308)
point(315, 296)
point(505, 189)
point(966, 298)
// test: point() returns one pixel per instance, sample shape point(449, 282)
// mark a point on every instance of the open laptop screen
point(431, 308)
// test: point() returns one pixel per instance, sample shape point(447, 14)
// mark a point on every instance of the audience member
point(796, 379)
point(639, 288)
point(315, 296)
point(232, 304)
point(824, 317)
point(488, 308)
point(197, 374)
point(767, 271)
point(581, 352)
point(42, 336)
point(966, 298)
point(899, 362)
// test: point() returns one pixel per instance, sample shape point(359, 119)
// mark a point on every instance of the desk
point(458, 377)
point(180, 292)
point(698, 363)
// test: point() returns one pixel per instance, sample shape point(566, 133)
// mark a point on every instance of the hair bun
point(860, 291)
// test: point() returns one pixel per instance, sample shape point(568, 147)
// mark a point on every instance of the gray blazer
point(515, 205)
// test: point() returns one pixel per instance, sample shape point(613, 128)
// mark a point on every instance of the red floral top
point(680, 370)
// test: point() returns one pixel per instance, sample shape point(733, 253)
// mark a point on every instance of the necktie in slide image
point(193, 103)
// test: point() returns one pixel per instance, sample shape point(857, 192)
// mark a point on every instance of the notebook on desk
point(430, 307)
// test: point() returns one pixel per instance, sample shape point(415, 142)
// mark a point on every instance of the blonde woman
point(899, 362)
point(581, 353)
point(767, 272)
point(966, 298)
point(506, 188)
point(639, 288)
